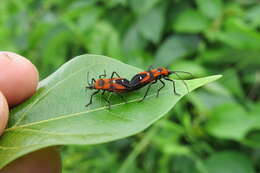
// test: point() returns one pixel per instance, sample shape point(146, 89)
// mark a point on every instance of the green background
point(215, 129)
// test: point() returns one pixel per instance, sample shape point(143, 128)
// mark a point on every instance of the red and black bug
point(113, 84)
point(152, 76)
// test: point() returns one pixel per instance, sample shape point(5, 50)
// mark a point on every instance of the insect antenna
point(88, 78)
point(167, 66)
point(89, 84)
point(175, 72)
point(150, 67)
point(191, 75)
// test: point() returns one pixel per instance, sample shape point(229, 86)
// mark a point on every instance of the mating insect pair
point(120, 85)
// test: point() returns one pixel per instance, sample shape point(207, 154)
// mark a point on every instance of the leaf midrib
point(64, 116)
point(67, 116)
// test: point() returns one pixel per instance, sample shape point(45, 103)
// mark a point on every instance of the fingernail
point(4, 111)
point(5, 59)
point(5, 55)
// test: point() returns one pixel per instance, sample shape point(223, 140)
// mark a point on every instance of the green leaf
point(210, 8)
point(184, 164)
point(232, 82)
point(176, 47)
point(52, 48)
point(253, 15)
point(190, 21)
point(140, 7)
point(57, 115)
point(229, 121)
point(229, 162)
point(154, 18)
point(133, 40)
point(238, 35)
point(252, 138)
point(104, 39)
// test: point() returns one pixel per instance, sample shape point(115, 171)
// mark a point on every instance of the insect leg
point(149, 86)
point(93, 81)
point(173, 84)
point(115, 73)
point(91, 97)
point(88, 78)
point(107, 100)
point(182, 81)
point(160, 87)
point(89, 84)
point(103, 75)
point(122, 97)
point(103, 92)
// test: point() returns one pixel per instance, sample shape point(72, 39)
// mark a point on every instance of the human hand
point(18, 81)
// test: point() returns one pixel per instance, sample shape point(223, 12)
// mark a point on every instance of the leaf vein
point(44, 94)
point(77, 114)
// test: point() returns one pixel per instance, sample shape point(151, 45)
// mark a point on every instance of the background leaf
point(190, 21)
point(229, 162)
point(56, 114)
point(211, 8)
point(176, 47)
point(232, 124)
point(154, 18)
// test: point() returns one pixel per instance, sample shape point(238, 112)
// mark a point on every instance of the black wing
point(136, 81)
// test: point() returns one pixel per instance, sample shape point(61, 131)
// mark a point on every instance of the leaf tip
point(196, 83)
point(218, 76)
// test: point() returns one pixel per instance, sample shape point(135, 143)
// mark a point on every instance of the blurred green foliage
point(216, 129)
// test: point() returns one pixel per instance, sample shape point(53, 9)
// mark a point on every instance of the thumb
point(4, 111)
